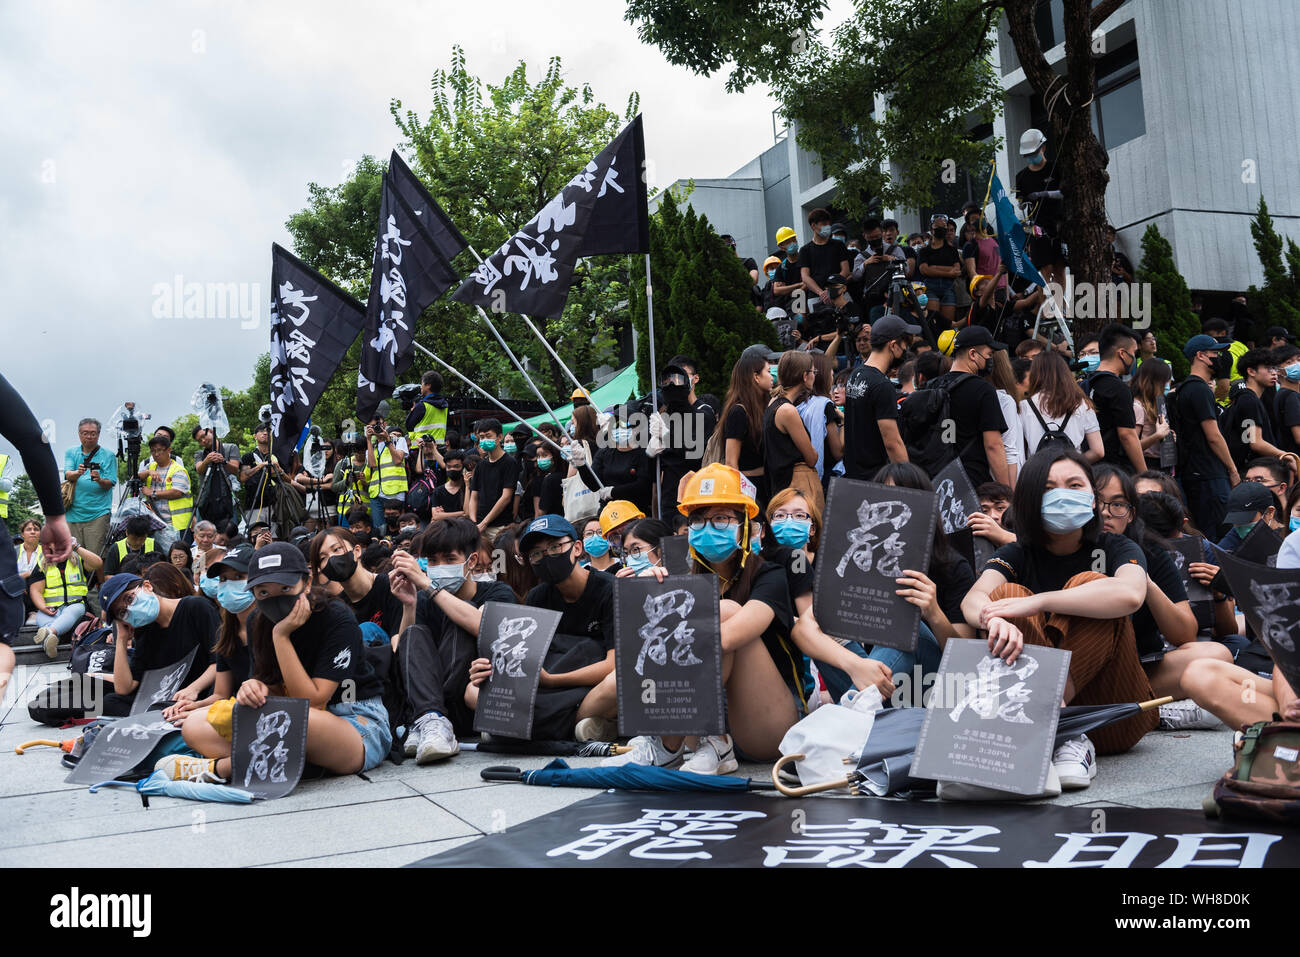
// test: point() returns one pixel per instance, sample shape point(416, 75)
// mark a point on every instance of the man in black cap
point(871, 431)
point(1277, 336)
point(680, 429)
point(976, 413)
point(1205, 466)
point(825, 328)
point(1248, 504)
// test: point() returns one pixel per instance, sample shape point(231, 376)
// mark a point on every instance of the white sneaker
point(42, 633)
point(647, 750)
point(51, 644)
point(595, 729)
point(412, 742)
point(714, 755)
point(1076, 763)
point(437, 739)
point(1187, 715)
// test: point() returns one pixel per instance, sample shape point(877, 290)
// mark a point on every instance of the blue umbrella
point(159, 784)
point(627, 777)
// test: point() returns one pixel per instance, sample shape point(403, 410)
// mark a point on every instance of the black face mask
point(939, 232)
point(340, 567)
point(455, 475)
point(276, 608)
point(554, 569)
point(676, 395)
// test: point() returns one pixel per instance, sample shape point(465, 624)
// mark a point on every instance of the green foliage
point(23, 503)
point(1278, 303)
point(1172, 319)
point(702, 302)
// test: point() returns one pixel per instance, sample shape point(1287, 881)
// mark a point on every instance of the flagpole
point(654, 380)
point(487, 395)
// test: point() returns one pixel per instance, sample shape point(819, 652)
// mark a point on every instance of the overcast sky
point(149, 140)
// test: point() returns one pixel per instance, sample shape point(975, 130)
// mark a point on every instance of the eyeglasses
point(639, 550)
point(1120, 509)
point(791, 516)
point(721, 523)
point(1266, 483)
point(537, 554)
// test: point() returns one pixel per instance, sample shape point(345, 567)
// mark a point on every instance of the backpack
point(921, 420)
point(420, 497)
point(1173, 412)
point(1051, 433)
point(1264, 783)
point(92, 653)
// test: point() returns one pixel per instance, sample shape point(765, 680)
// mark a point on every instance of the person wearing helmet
point(1038, 188)
point(768, 281)
point(788, 274)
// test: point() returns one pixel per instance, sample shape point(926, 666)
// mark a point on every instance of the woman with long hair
point(789, 458)
point(1055, 402)
point(1003, 377)
point(738, 437)
point(1067, 583)
point(516, 573)
point(641, 549)
point(1149, 386)
point(824, 423)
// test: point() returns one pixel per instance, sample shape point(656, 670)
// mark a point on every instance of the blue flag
point(1011, 237)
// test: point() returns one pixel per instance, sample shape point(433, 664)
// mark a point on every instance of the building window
point(1049, 22)
point(1117, 114)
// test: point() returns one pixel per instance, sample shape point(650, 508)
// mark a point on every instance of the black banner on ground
point(269, 750)
point(161, 684)
point(871, 534)
point(515, 639)
point(990, 723)
point(668, 656)
point(1270, 600)
point(624, 829)
point(120, 746)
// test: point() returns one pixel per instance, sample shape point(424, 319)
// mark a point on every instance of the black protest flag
point(601, 211)
point(412, 268)
point(313, 322)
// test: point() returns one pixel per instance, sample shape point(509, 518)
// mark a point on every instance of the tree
point(1278, 303)
point(241, 412)
point(702, 302)
point(23, 503)
point(1172, 319)
point(930, 61)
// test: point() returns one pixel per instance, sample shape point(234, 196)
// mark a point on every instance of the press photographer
point(167, 486)
point(90, 472)
point(385, 456)
point(428, 414)
point(259, 472)
point(215, 502)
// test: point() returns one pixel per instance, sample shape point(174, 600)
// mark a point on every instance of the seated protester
point(442, 606)
point(623, 466)
point(514, 569)
point(408, 521)
point(159, 631)
point(995, 500)
point(168, 581)
point(58, 591)
point(641, 548)
point(597, 552)
point(305, 646)
point(1236, 695)
point(1248, 504)
point(449, 497)
point(180, 556)
point(1247, 426)
point(259, 533)
point(137, 541)
point(1275, 475)
point(209, 732)
point(616, 520)
point(358, 525)
point(1166, 615)
point(549, 491)
point(1048, 577)
point(337, 562)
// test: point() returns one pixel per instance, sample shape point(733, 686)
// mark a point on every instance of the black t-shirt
point(1162, 570)
point(945, 255)
point(789, 272)
point(737, 427)
point(490, 480)
point(823, 260)
point(551, 494)
point(450, 501)
point(798, 569)
point(1235, 424)
point(1040, 181)
point(112, 563)
point(772, 587)
point(329, 646)
point(379, 605)
point(240, 664)
point(629, 473)
point(1286, 410)
point(869, 396)
point(255, 494)
point(1114, 402)
point(952, 580)
point(975, 410)
point(1041, 571)
point(1193, 403)
point(429, 614)
point(194, 624)
point(674, 457)
point(592, 615)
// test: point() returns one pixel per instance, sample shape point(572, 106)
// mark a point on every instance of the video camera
point(406, 395)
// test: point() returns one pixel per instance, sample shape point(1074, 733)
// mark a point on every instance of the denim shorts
point(941, 288)
point(370, 718)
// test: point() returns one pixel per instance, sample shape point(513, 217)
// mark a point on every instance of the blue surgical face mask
point(714, 545)
point(922, 299)
point(622, 436)
point(1292, 372)
point(771, 274)
point(792, 532)
point(1295, 524)
point(208, 585)
point(423, 563)
point(543, 464)
point(754, 545)
point(510, 448)
point(791, 248)
point(487, 445)
point(1169, 387)
point(235, 597)
point(1090, 363)
point(564, 453)
point(449, 577)
point(595, 545)
point(641, 561)
point(1067, 509)
point(143, 609)
point(824, 231)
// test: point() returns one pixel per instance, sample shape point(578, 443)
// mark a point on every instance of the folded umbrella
point(159, 784)
point(626, 777)
point(589, 749)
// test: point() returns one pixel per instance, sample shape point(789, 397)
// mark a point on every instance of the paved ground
point(402, 814)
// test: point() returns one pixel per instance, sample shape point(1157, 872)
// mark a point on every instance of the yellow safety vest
point(389, 479)
point(1237, 349)
point(355, 492)
point(434, 422)
point(4, 496)
point(70, 591)
point(182, 509)
point(123, 548)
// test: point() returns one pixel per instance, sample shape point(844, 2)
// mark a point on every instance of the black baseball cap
point(1277, 332)
point(889, 327)
point(1203, 343)
point(971, 337)
point(1245, 501)
point(278, 562)
point(835, 279)
point(236, 560)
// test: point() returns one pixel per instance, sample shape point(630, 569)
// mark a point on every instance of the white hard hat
point(776, 314)
point(1030, 141)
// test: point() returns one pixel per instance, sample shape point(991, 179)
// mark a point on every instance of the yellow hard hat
point(771, 261)
point(946, 339)
point(784, 235)
point(716, 484)
point(616, 513)
point(579, 394)
point(975, 282)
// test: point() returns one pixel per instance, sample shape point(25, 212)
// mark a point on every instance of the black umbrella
point(627, 777)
